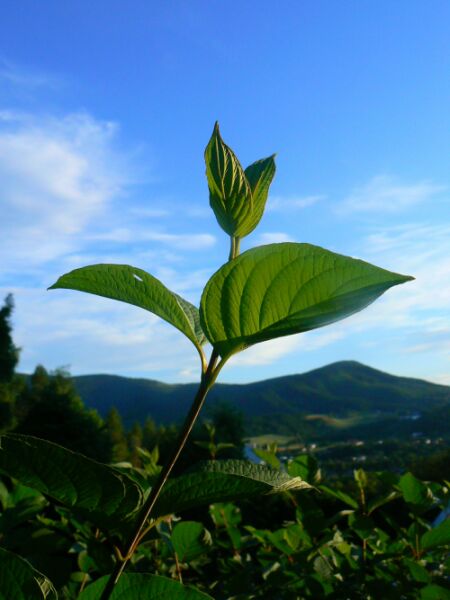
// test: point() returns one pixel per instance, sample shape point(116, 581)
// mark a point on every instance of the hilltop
point(341, 397)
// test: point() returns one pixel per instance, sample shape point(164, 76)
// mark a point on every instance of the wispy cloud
point(270, 352)
point(92, 333)
point(386, 194)
point(20, 77)
point(58, 176)
point(198, 241)
point(290, 203)
point(274, 237)
point(265, 353)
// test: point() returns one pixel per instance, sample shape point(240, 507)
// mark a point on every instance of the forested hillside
point(350, 394)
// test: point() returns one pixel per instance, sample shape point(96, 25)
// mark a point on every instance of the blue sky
point(105, 110)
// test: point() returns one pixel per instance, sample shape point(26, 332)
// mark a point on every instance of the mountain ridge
point(339, 389)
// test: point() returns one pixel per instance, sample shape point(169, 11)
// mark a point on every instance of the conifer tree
point(9, 353)
point(55, 412)
point(135, 441)
point(116, 433)
point(9, 356)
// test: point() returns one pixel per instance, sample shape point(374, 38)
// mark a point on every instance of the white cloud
point(290, 203)
point(274, 238)
point(19, 77)
point(195, 241)
point(385, 194)
point(58, 176)
point(95, 334)
point(270, 352)
point(265, 353)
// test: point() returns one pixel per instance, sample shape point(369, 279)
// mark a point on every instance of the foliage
point(381, 538)
point(265, 293)
point(9, 353)
point(51, 409)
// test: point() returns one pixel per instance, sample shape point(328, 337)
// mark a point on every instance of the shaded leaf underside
point(70, 478)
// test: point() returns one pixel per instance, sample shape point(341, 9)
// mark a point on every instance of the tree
point(9, 353)
point(117, 438)
point(135, 439)
point(229, 425)
point(55, 412)
point(9, 356)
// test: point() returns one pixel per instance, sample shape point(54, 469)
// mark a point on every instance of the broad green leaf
point(415, 493)
point(230, 195)
point(438, 536)
point(434, 592)
point(222, 481)
point(339, 495)
point(20, 581)
point(259, 176)
point(304, 466)
point(70, 478)
point(282, 289)
point(323, 568)
point(137, 287)
point(270, 458)
point(189, 540)
point(141, 586)
point(418, 572)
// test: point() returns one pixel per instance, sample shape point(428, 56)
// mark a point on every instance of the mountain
point(340, 395)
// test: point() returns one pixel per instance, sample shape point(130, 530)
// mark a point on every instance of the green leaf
point(438, 536)
point(269, 457)
point(230, 195)
point(304, 466)
point(282, 289)
point(140, 586)
point(418, 572)
point(415, 493)
point(434, 592)
point(323, 568)
point(381, 501)
point(259, 176)
point(342, 496)
point(222, 481)
point(135, 286)
point(70, 478)
point(189, 540)
point(20, 581)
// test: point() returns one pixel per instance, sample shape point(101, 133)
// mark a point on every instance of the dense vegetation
point(378, 539)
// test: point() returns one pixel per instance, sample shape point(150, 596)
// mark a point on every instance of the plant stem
point(207, 380)
point(234, 247)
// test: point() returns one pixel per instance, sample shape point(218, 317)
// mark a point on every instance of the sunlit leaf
point(222, 481)
point(230, 195)
point(137, 287)
point(259, 175)
point(282, 289)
